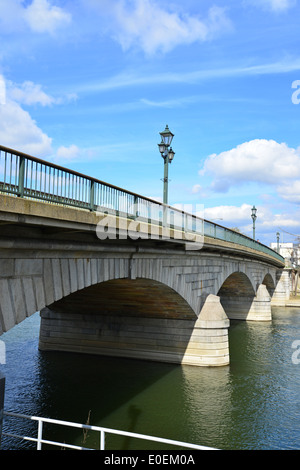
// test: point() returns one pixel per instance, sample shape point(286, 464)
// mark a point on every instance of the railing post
point(92, 195)
point(102, 440)
point(40, 435)
point(21, 176)
point(2, 390)
point(136, 207)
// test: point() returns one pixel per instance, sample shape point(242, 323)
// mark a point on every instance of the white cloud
point(233, 214)
point(40, 16)
point(290, 192)
point(17, 128)
point(275, 5)
point(259, 160)
point(267, 222)
point(134, 79)
point(44, 17)
point(67, 154)
point(19, 131)
point(146, 25)
point(197, 188)
point(29, 93)
point(282, 220)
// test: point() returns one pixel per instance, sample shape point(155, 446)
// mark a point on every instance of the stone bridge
point(146, 298)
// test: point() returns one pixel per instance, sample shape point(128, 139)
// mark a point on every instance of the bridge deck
point(20, 216)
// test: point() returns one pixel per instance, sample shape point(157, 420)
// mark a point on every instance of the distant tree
point(236, 229)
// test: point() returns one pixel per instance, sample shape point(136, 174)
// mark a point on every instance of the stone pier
point(283, 288)
point(250, 308)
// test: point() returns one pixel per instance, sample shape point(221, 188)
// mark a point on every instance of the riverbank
point(294, 301)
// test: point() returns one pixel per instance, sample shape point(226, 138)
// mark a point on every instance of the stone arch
point(133, 318)
point(237, 295)
point(269, 283)
point(237, 284)
point(139, 297)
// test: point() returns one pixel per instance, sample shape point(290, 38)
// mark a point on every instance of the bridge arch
point(136, 318)
point(129, 297)
point(269, 283)
point(242, 301)
point(237, 295)
point(237, 284)
point(170, 281)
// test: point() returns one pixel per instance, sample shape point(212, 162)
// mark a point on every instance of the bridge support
point(199, 342)
point(282, 289)
point(260, 309)
point(255, 308)
point(212, 326)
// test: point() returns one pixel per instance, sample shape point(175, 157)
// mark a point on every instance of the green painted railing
point(29, 177)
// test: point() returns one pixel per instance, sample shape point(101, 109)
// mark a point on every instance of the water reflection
point(254, 403)
point(207, 403)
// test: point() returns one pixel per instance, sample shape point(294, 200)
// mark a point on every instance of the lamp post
point(168, 155)
point(253, 215)
point(277, 235)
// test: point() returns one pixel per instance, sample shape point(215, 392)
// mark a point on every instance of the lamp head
point(167, 136)
point(171, 154)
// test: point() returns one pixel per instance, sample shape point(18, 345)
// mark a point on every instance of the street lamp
point(253, 215)
point(277, 235)
point(168, 155)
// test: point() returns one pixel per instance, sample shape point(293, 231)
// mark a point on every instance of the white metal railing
point(39, 439)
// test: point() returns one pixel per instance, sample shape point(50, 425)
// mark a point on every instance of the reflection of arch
point(131, 297)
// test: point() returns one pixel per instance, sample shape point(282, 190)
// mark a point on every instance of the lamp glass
point(162, 147)
point(171, 154)
point(167, 136)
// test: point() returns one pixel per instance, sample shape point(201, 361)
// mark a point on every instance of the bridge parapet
point(25, 176)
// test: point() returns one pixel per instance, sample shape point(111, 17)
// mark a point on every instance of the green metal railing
point(29, 177)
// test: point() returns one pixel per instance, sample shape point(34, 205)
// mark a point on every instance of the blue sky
point(89, 84)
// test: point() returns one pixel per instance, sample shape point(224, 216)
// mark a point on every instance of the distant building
point(290, 251)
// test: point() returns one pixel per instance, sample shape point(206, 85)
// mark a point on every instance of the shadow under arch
point(237, 295)
point(269, 283)
point(134, 297)
point(130, 318)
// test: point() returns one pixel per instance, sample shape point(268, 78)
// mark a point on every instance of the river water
point(254, 403)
